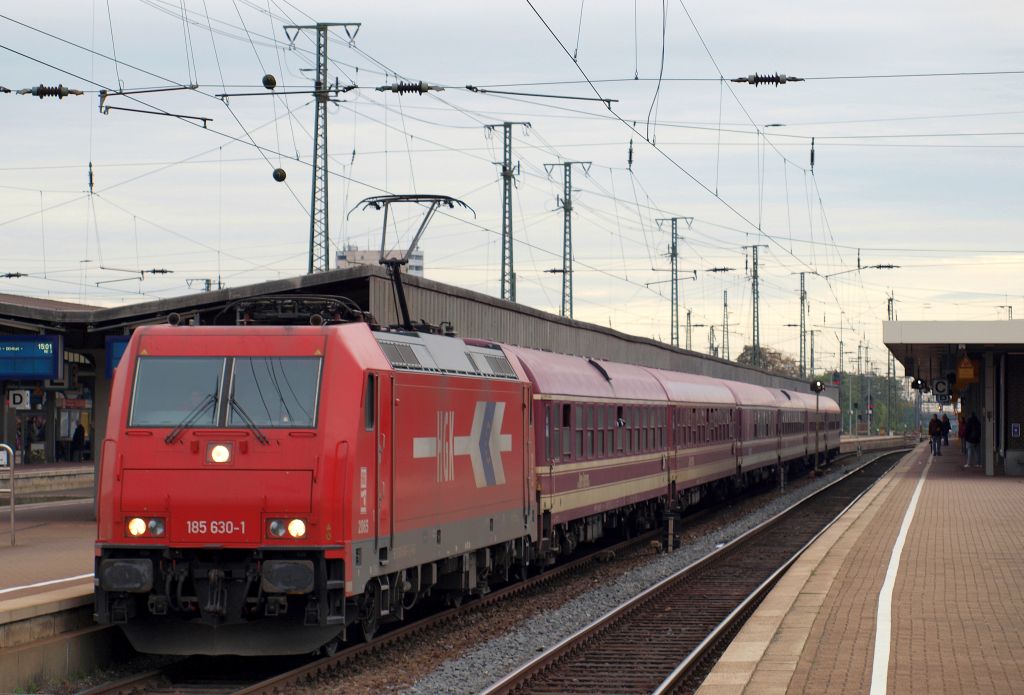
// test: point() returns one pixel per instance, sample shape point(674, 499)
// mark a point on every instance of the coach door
point(740, 431)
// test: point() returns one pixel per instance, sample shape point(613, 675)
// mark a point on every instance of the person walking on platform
point(945, 429)
point(961, 431)
point(972, 436)
point(935, 434)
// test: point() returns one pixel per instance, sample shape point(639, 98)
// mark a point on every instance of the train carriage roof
point(751, 394)
point(693, 388)
point(806, 401)
point(788, 400)
point(555, 374)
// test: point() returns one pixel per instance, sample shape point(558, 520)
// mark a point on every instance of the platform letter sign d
point(19, 399)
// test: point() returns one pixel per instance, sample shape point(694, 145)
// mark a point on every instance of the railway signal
point(817, 386)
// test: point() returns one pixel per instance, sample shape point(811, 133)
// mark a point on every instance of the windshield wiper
point(249, 422)
point(192, 416)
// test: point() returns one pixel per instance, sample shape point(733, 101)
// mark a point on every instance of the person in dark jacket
point(935, 435)
point(972, 435)
point(77, 442)
point(946, 427)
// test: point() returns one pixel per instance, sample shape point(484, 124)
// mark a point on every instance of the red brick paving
point(958, 602)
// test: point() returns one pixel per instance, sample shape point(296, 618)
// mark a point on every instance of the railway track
point(658, 641)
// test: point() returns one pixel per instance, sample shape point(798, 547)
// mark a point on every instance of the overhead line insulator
point(776, 79)
point(60, 91)
point(410, 88)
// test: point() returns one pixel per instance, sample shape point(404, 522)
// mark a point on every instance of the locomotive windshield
point(169, 390)
point(268, 391)
point(275, 391)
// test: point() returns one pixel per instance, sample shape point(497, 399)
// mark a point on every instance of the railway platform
point(915, 589)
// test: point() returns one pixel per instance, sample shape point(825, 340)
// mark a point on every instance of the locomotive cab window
point(172, 390)
point(225, 392)
point(274, 391)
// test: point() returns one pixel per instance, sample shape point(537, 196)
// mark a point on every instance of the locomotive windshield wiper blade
point(192, 416)
point(249, 422)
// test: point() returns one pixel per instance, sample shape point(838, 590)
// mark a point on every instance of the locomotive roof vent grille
point(472, 363)
point(500, 366)
point(400, 354)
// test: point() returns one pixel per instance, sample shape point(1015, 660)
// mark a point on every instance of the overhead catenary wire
point(407, 112)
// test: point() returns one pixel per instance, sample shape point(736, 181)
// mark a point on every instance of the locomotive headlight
point(156, 527)
point(281, 528)
point(296, 528)
point(137, 526)
point(219, 453)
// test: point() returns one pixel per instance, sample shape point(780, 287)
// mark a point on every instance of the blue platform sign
point(31, 357)
point(116, 345)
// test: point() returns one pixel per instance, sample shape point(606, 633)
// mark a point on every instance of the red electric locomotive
point(266, 487)
point(269, 490)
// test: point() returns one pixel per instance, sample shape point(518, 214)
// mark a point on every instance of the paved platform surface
point(955, 620)
point(54, 543)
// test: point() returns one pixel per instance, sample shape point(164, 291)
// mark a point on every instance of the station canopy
point(932, 350)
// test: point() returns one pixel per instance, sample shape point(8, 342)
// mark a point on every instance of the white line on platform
point(74, 502)
point(883, 620)
point(48, 583)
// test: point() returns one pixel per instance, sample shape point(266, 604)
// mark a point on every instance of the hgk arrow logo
point(484, 445)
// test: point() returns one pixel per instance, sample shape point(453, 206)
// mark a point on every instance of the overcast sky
point(924, 172)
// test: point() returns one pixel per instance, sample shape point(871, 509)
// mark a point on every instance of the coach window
point(599, 444)
point(579, 431)
point(606, 430)
point(628, 430)
point(566, 430)
point(548, 449)
point(370, 404)
point(590, 431)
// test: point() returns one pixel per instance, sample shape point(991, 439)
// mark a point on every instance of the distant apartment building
point(352, 256)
